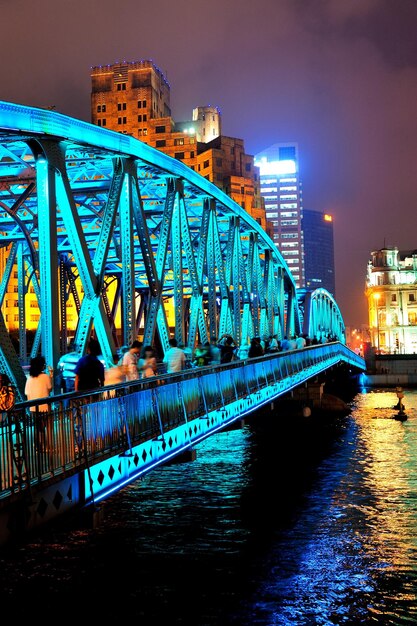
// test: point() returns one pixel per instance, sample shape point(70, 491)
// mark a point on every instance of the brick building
point(134, 98)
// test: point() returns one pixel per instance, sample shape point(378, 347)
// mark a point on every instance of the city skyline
point(338, 80)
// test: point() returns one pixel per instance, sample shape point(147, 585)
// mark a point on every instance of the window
point(219, 162)
point(145, 117)
point(139, 118)
point(119, 120)
point(99, 108)
point(179, 155)
point(160, 143)
point(232, 150)
point(412, 318)
point(139, 104)
point(191, 155)
point(121, 86)
point(139, 132)
point(248, 167)
point(145, 131)
point(103, 108)
point(159, 129)
point(206, 164)
point(124, 120)
point(199, 167)
point(242, 190)
point(179, 141)
point(394, 297)
point(104, 122)
point(144, 104)
point(121, 106)
point(411, 297)
point(98, 122)
point(192, 139)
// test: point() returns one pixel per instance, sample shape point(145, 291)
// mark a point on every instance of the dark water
point(282, 523)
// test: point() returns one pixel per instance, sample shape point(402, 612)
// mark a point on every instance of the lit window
point(145, 131)
point(179, 141)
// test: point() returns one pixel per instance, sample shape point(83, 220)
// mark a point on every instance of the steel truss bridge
point(83, 208)
point(120, 231)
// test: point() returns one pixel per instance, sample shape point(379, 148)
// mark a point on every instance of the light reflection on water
point(282, 523)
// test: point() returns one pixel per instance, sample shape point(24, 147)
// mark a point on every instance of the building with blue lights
point(319, 270)
point(281, 190)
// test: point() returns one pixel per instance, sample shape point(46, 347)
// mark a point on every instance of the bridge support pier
point(310, 393)
point(185, 457)
point(236, 425)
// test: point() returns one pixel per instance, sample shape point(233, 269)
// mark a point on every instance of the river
point(284, 522)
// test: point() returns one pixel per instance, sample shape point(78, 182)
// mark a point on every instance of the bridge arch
point(322, 317)
point(122, 231)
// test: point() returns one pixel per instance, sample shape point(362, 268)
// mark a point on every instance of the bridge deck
point(114, 435)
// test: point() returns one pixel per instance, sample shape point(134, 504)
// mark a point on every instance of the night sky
point(337, 76)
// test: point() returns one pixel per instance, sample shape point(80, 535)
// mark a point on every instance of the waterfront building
point(319, 269)
point(134, 98)
point(281, 190)
point(391, 290)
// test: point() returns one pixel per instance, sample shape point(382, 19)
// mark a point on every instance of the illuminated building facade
point(317, 230)
point(391, 289)
point(134, 98)
point(281, 190)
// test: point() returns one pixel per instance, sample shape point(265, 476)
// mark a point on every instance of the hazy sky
point(337, 76)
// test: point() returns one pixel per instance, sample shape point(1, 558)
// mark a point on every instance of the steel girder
point(90, 207)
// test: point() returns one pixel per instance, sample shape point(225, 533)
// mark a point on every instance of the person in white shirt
point(130, 361)
point(174, 358)
point(300, 342)
point(39, 385)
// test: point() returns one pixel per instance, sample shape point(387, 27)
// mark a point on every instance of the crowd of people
point(140, 362)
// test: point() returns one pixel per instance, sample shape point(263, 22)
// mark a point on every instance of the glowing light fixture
point(328, 218)
point(277, 168)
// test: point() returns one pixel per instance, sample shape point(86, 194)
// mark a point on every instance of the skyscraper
point(318, 250)
point(281, 190)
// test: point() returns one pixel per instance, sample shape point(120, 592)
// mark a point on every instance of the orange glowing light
point(328, 218)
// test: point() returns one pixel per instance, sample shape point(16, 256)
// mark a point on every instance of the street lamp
point(376, 298)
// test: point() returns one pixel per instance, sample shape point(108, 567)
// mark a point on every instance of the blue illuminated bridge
point(100, 227)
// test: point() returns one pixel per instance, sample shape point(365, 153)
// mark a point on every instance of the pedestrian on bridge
point(255, 348)
point(39, 385)
point(174, 357)
point(130, 361)
point(147, 363)
point(89, 371)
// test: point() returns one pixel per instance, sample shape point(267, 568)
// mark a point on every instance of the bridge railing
point(80, 429)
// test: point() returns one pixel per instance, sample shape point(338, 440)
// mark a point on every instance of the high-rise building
point(134, 98)
point(317, 230)
point(281, 190)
